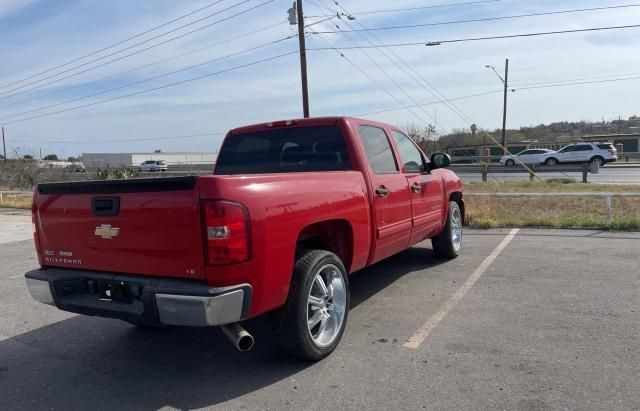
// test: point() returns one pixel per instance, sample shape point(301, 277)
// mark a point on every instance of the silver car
point(152, 165)
point(531, 156)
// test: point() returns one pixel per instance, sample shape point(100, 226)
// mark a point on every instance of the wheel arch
point(335, 236)
point(457, 197)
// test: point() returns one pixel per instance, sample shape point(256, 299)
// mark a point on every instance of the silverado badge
point(106, 232)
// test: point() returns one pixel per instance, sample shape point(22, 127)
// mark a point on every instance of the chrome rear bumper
point(153, 301)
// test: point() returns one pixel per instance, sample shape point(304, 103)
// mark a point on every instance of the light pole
point(505, 81)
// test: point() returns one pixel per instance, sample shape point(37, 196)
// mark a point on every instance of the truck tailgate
point(140, 226)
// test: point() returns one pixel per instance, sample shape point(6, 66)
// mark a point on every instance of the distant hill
point(554, 132)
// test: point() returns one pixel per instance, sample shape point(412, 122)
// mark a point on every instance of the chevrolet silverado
point(292, 208)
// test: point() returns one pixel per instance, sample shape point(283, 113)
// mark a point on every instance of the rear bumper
point(152, 301)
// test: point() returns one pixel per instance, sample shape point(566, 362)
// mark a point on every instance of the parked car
point(531, 156)
point(152, 165)
point(602, 153)
point(76, 168)
point(291, 209)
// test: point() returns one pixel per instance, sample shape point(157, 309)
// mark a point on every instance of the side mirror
point(440, 160)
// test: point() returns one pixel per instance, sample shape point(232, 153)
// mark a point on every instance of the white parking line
point(423, 332)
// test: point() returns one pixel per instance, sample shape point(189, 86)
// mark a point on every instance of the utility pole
point(4, 146)
point(297, 13)
point(504, 112)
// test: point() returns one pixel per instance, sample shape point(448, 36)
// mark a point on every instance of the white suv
point(581, 153)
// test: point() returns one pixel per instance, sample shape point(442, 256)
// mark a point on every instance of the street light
point(505, 82)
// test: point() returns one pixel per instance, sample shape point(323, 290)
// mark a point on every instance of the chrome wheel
point(326, 305)
point(456, 228)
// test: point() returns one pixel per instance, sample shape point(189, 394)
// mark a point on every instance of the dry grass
point(16, 201)
point(550, 186)
point(553, 212)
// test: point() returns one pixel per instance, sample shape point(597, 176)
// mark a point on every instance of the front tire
point(448, 243)
point(510, 163)
point(312, 322)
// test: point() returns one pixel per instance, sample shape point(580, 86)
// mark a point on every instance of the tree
point(27, 157)
point(423, 136)
point(1, 157)
point(51, 157)
point(158, 150)
point(474, 129)
point(72, 159)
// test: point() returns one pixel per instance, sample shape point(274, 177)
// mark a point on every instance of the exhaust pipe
point(238, 336)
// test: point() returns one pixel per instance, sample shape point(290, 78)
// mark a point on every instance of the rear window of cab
point(284, 150)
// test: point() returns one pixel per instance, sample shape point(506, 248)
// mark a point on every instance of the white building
point(102, 160)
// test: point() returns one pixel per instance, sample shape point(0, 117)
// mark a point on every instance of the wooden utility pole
point(303, 59)
point(4, 146)
point(504, 112)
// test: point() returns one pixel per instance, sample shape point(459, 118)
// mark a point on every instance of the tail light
point(226, 226)
point(36, 237)
point(612, 150)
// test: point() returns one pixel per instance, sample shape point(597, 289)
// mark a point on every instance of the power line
point(575, 83)
point(413, 74)
point(437, 43)
point(577, 79)
point(516, 16)
point(148, 65)
point(436, 93)
point(130, 47)
point(371, 78)
point(388, 76)
point(486, 93)
point(114, 44)
point(468, 3)
point(150, 78)
point(155, 88)
point(217, 133)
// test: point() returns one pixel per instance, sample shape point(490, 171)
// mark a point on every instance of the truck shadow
point(88, 363)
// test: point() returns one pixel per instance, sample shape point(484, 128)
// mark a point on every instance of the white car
point(152, 165)
point(531, 156)
point(602, 153)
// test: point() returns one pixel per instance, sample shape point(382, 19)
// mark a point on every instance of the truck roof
point(298, 122)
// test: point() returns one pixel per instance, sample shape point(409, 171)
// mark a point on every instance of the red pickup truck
point(291, 209)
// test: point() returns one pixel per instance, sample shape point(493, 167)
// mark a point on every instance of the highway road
point(528, 319)
point(607, 174)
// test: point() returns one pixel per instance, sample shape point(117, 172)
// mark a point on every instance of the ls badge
point(106, 232)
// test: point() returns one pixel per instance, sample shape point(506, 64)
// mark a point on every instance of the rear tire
point(551, 162)
point(312, 321)
point(448, 243)
point(599, 160)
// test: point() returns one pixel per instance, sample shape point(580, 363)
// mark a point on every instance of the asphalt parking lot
point(550, 321)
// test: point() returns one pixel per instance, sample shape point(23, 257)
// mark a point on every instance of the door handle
point(415, 187)
point(382, 191)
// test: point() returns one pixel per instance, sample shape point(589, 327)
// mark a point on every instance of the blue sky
point(36, 35)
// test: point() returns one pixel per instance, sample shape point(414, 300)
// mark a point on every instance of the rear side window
point(379, 153)
point(284, 150)
point(583, 147)
point(605, 146)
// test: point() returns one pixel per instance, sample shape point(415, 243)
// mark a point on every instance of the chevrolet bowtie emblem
point(106, 232)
